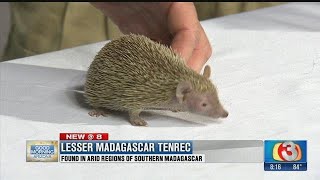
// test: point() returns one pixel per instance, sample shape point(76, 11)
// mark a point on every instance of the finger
point(184, 43)
point(182, 21)
point(201, 53)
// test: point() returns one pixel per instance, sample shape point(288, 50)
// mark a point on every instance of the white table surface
point(269, 57)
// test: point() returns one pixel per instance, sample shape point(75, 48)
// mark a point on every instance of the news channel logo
point(41, 151)
point(285, 155)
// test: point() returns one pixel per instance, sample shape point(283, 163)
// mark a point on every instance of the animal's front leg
point(135, 118)
point(176, 110)
point(98, 112)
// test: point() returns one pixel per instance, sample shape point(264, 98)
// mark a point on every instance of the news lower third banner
point(277, 155)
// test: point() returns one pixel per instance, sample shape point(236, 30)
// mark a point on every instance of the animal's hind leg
point(98, 112)
point(135, 118)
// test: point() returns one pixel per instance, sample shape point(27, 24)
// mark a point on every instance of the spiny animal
point(134, 73)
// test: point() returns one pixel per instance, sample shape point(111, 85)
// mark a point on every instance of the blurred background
point(4, 25)
point(30, 28)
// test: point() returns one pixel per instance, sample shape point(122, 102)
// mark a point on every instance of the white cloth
point(268, 81)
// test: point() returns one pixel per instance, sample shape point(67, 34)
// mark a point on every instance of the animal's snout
point(221, 113)
point(224, 114)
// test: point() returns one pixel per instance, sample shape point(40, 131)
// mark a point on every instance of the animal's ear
point(183, 88)
point(207, 71)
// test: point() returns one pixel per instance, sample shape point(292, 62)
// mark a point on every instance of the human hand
point(171, 23)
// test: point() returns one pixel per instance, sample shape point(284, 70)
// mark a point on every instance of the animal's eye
point(204, 104)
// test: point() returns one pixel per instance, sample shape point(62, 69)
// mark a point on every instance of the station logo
point(287, 151)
